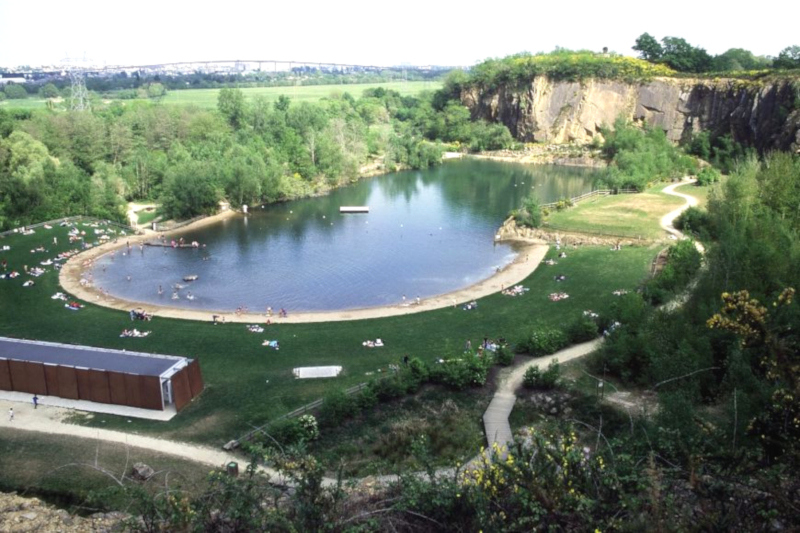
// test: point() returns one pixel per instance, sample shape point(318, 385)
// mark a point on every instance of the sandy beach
point(529, 256)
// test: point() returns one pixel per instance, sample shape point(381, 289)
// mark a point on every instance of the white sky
point(419, 32)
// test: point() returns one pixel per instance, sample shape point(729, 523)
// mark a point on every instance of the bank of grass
point(207, 98)
point(382, 440)
point(145, 216)
point(64, 471)
point(248, 384)
point(634, 216)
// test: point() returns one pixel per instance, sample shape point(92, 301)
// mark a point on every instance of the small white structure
point(354, 209)
point(305, 372)
point(244, 209)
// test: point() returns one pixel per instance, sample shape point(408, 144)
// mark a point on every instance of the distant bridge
point(237, 64)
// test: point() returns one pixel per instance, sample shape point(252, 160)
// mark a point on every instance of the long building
point(148, 381)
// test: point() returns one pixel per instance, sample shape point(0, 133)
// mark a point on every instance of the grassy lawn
point(24, 103)
point(145, 216)
point(58, 466)
point(248, 384)
point(207, 98)
point(305, 93)
point(624, 215)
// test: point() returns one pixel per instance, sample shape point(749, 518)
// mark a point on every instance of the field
point(624, 215)
point(248, 384)
point(207, 98)
point(306, 93)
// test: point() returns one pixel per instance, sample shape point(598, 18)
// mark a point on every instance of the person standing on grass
point(35, 401)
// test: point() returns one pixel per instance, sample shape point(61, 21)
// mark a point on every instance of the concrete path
point(667, 223)
point(50, 419)
point(495, 419)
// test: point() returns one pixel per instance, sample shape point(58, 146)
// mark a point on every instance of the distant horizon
point(347, 32)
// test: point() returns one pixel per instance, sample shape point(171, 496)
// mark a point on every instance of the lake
point(428, 232)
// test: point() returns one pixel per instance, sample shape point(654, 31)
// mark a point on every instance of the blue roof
point(143, 364)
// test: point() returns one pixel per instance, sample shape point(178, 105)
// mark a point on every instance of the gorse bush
point(566, 65)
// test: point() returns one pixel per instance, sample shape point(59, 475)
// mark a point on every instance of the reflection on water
point(428, 232)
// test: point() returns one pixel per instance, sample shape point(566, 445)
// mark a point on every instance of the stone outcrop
point(18, 514)
point(761, 114)
point(510, 231)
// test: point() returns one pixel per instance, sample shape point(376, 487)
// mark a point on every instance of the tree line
point(679, 55)
point(55, 164)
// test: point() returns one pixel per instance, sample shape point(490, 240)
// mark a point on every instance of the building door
point(166, 389)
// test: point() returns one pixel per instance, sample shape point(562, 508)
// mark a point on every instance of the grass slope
point(623, 215)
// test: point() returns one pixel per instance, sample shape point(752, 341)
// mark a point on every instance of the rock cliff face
point(764, 115)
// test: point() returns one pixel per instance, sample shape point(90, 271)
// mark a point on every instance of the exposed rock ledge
point(509, 231)
point(18, 514)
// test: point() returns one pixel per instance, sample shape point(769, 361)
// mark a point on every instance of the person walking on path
point(10, 414)
point(35, 401)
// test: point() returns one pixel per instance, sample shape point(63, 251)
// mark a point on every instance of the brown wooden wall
point(67, 383)
point(181, 392)
point(19, 376)
point(5, 376)
point(132, 390)
point(84, 387)
point(51, 380)
point(195, 378)
point(99, 386)
point(117, 388)
point(150, 393)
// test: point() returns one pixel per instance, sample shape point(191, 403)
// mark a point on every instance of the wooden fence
point(592, 194)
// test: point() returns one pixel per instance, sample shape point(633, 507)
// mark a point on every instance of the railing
point(316, 404)
point(597, 192)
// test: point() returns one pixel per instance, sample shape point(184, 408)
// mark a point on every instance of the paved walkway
point(90, 407)
point(495, 419)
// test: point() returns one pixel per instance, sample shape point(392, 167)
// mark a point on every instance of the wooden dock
point(354, 209)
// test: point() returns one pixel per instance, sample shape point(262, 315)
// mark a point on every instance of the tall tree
point(788, 58)
point(230, 103)
point(648, 47)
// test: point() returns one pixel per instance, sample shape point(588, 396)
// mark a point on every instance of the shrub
point(543, 341)
point(581, 330)
point(336, 407)
point(707, 176)
point(694, 220)
point(389, 388)
point(418, 369)
point(534, 378)
point(14, 91)
point(286, 432)
point(471, 371)
point(530, 214)
point(503, 355)
point(309, 427)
